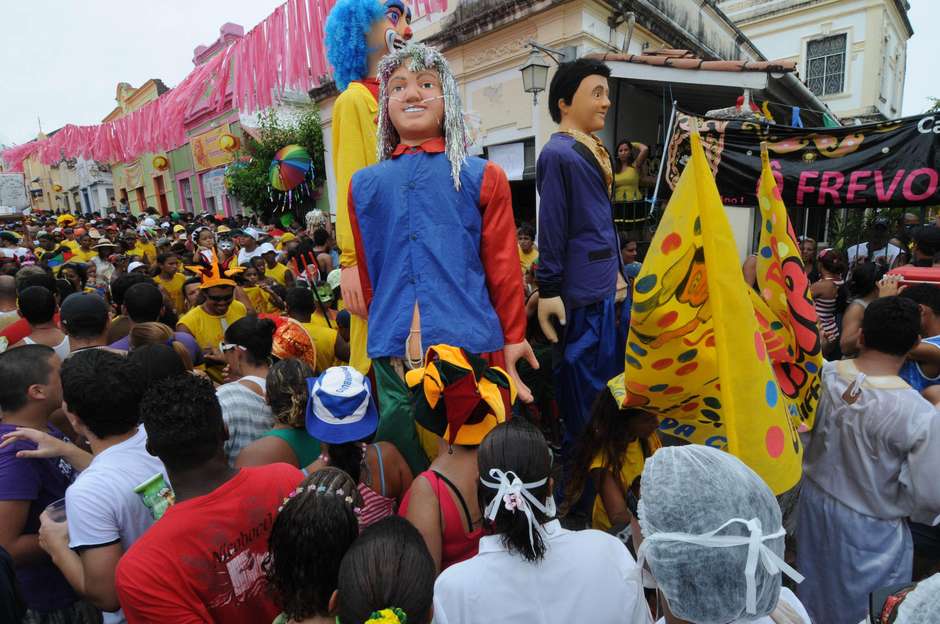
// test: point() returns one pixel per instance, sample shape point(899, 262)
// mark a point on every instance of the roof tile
point(683, 59)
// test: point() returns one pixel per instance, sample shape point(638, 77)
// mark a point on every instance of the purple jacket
point(578, 250)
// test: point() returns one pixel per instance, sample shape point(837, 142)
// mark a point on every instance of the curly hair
point(287, 391)
point(79, 269)
point(103, 389)
point(310, 536)
point(183, 420)
point(345, 35)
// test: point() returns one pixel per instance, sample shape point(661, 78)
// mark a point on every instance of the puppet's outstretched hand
point(513, 353)
point(351, 288)
point(548, 308)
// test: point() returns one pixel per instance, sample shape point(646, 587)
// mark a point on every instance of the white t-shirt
point(789, 599)
point(586, 576)
point(857, 252)
point(244, 255)
point(101, 505)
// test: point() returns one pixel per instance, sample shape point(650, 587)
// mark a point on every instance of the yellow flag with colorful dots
point(695, 353)
point(788, 321)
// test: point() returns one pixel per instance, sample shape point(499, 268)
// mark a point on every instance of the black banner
point(893, 163)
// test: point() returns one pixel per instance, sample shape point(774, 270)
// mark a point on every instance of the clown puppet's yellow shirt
point(695, 353)
point(354, 139)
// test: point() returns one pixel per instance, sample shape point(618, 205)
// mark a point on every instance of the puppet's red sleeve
point(364, 280)
point(499, 252)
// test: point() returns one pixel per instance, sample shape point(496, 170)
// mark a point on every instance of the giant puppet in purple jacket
point(579, 262)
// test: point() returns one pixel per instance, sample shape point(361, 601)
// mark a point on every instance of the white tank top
point(62, 349)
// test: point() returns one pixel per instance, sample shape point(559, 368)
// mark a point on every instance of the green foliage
point(934, 105)
point(248, 181)
point(850, 227)
point(846, 228)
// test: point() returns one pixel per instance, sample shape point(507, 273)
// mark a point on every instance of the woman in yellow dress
point(627, 179)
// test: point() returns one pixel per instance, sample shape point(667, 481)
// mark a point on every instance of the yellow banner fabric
point(788, 321)
point(695, 354)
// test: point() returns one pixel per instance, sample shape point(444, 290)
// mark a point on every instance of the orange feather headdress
point(209, 272)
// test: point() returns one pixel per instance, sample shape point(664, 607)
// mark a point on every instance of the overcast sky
point(62, 60)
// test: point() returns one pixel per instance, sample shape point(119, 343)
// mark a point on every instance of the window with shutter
point(825, 65)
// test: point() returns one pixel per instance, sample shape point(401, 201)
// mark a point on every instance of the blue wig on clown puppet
point(358, 34)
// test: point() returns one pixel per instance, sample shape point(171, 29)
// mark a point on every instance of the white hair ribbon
point(756, 551)
point(514, 495)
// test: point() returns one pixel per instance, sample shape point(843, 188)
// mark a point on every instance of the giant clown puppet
point(358, 34)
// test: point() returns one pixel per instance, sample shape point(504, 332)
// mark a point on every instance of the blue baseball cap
point(340, 407)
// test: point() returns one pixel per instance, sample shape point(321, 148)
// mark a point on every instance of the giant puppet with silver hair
point(358, 33)
point(435, 236)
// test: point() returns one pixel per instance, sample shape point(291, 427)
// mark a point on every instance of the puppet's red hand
point(351, 288)
point(514, 353)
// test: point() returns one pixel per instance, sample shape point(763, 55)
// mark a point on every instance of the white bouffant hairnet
point(922, 605)
point(712, 534)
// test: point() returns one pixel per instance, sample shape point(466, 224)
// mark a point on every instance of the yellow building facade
point(147, 181)
point(48, 185)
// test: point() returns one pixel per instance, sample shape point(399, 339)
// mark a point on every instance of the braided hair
point(312, 532)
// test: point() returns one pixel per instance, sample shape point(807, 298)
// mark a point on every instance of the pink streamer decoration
point(284, 51)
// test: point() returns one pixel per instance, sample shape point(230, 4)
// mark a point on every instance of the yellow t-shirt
point(146, 251)
point(260, 300)
point(319, 320)
point(277, 273)
point(83, 256)
point(627, 185)
point(73, 245)
point(174, 288)
point(527, 259)
point(633, 464)
point(209, 330)
point(324, 339)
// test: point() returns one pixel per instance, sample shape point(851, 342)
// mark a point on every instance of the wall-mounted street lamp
point(535, 69)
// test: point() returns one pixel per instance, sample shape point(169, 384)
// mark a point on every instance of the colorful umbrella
point(290, 167)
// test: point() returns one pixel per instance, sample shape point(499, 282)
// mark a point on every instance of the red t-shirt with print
point(201, 562)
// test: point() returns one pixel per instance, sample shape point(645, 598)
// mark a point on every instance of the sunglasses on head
point(221, 298)
point(225, 347)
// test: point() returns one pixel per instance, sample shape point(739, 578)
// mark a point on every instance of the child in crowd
point(610, 456)
point(263, 299)
point(342, 415)
point(170, 280)
point(314, 528)
point(387, 575)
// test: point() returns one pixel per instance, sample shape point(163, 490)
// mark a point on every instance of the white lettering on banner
point(928, 125)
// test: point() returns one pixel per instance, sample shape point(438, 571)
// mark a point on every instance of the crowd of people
point(183, 440)
point(285, 509)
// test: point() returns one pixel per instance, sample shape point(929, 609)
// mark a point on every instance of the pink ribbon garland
point(284, 51)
